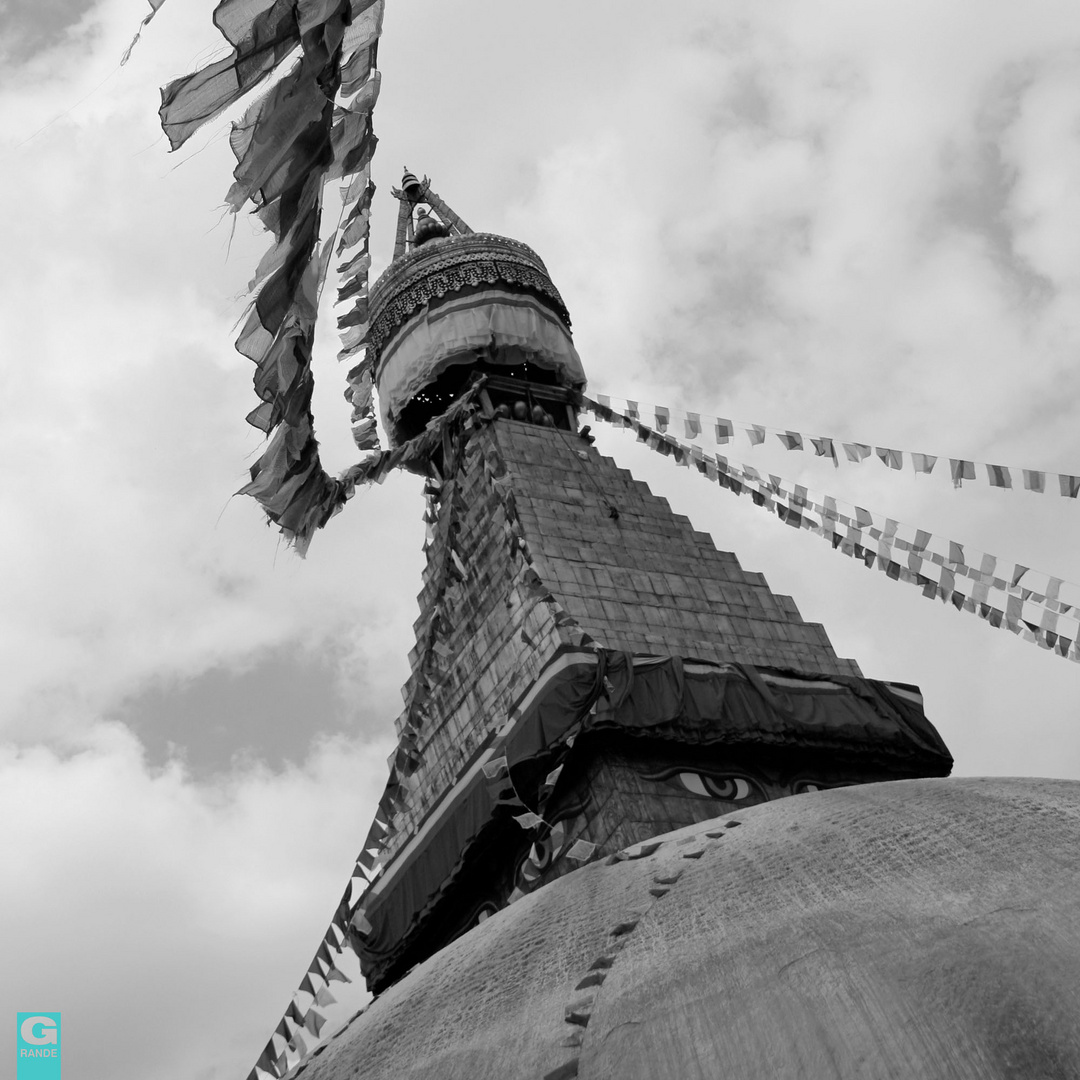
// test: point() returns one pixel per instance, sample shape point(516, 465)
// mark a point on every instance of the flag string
point(722, 431)
point(1037, 606)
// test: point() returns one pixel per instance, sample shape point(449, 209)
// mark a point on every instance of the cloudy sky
point(838, 216)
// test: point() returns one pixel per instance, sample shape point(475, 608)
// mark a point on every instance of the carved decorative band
point(442, 267)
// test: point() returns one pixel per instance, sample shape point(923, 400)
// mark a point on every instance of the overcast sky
point(844, 217)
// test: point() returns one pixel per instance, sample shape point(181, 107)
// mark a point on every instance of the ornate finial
point(427, 227)
point(411, 187)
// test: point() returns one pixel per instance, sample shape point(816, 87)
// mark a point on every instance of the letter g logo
point(38, 1030)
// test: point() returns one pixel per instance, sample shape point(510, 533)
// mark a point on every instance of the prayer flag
point(604, 400)
point(725, 430)
point(632, 409)
point(791, 439)
point(823, 447)
point(692, 425)
point(894, 459)
point(1034, 480)
point(863, 518)
point(1018, 572)
point(999, 476)
point(856, 452)
point(923, 463)
point(756, 434)
point(956, 553)
point(1070, 485)
point(581, 851)
point(663, 416)
point(961, 470)
point(528, 820)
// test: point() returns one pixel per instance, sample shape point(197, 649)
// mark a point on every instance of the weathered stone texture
point(646, 581)
point(643, 581)
point(914, 930)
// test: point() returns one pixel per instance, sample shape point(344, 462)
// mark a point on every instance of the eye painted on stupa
point(738, 789)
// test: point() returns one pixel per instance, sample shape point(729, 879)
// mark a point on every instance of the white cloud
point(828, 215)
point(168, 921)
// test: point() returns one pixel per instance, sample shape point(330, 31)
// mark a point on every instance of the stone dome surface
point(911, 929)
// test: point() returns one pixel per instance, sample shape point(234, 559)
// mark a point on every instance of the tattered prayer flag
point(154, 5)
point(663, 417)
point(1018, 572)
point(552, 777)
point(894, 459)
point(1070, 485)
point(581, 851)
point(856, 452)
point(823, 447)
point(999, 476)
point(1034, 480)
point(692, 425)
point(961, 470)
point(495, 768)
point(791, 439)
point(756, 434)
point(923, 463)
point(725, 430)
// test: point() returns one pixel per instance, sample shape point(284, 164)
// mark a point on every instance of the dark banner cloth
point(420, 879)
point(656, 696)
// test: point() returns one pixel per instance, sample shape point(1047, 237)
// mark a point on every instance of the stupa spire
point(422, 215)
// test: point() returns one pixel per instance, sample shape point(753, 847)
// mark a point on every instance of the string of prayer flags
point(1029, 604)
point(304, 131)
point(723, 431)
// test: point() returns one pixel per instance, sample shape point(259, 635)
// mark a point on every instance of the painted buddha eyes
point(728, 788)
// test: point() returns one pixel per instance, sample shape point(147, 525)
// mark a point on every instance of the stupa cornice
point(446, 265)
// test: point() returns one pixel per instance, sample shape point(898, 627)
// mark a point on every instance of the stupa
point(643, 821)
